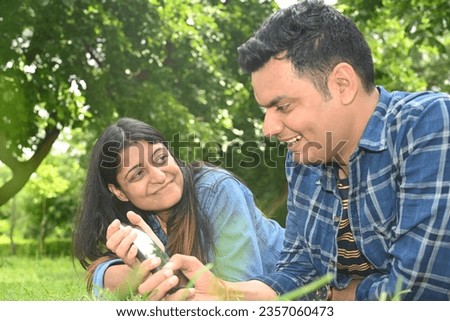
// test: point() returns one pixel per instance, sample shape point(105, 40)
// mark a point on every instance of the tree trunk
point(43, 228)
point(23, 170)
point(13, 219)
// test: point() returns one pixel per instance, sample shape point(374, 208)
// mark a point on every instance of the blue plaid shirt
point(399, 205)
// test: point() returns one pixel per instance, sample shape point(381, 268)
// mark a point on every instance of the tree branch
point(6, 156)
point(23, 170)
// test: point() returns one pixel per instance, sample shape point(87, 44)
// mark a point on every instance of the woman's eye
point(138, 174)
point(161, 160)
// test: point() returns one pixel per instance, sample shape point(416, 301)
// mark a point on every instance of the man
point(368, 170)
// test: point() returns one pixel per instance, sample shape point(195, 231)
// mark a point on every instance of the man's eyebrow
point(275, 101)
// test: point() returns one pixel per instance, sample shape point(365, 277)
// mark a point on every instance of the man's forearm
point(251, 290)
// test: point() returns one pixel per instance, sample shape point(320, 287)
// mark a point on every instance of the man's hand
point(347, 294)
point(207, 286)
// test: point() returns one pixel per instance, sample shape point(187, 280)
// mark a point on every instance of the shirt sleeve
point(99, 275)
point(231, 210)
point(294, 269)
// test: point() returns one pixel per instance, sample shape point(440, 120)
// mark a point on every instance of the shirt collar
point(374, 136)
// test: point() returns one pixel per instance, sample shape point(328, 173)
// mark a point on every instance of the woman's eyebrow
point(131, 169)
point(158, 149)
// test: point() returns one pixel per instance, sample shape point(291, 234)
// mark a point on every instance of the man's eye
point(282, 107)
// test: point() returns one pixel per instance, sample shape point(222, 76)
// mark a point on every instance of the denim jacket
point(246, 243)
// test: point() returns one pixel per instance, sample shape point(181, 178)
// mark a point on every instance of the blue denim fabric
point(246, 243)
point(399, 205)
point(99, 274)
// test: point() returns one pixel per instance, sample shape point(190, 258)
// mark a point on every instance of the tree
point(83, 63)
point(45, 186)
point(47, 205)
point(410, 41)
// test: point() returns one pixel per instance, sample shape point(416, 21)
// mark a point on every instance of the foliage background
point(69, 68)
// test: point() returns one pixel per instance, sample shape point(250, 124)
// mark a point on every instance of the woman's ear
point(345, 80)
point(119, 194)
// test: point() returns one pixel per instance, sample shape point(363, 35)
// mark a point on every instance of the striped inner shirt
point(351, 262)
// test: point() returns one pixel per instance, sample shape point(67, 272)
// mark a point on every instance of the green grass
point(56, 279)
point(44, 279)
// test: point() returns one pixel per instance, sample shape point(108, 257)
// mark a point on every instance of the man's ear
point(119, 194)
point(345, 81)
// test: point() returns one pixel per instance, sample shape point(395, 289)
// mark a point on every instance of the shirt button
point(332, 264)
point(337, 219)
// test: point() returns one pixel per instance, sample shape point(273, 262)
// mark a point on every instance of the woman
point(194, 209)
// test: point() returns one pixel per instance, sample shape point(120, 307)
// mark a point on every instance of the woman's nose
point(272, 124)
point(157, 175)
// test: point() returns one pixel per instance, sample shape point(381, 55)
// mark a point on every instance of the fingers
point(207, 286)
point(147, 266)
point(136, 219)
point(129, 279)
point(157, 285)
point(183, 294)
point(112, 228)
point(190, 266)
point(120, 241)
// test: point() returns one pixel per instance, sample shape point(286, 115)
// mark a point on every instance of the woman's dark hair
point(315, 38)
point(188, 229)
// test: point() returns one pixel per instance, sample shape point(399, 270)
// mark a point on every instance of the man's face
point(313, 128)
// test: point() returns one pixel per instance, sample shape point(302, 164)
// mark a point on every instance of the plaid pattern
point(399, 205)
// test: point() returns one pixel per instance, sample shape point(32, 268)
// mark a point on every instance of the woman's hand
point(123, 280)
point(139, 276)
point(137, 220)
point(158, 285)
point(120, 240)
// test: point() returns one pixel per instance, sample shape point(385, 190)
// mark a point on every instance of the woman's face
point(149, 177)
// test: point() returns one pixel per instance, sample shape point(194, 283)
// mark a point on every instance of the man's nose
point(272, 124)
